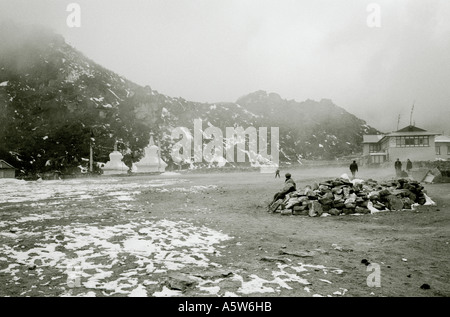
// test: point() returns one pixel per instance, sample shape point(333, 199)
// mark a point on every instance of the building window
point(377, 159)
point(412, 141)
point(374, 148)
point(438, 150)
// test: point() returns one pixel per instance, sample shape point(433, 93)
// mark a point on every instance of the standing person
point(277, 173)
point(398, 167)
point(408, 166)
point(353, 168)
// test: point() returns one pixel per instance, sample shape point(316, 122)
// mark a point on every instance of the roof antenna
point(398, 121)
point(410, 118)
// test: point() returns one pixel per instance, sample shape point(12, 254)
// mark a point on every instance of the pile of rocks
point(342, 196)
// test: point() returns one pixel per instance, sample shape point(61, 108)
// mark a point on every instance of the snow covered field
point(76, 238)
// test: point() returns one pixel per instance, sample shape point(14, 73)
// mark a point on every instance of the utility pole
point(91, 153)
point(159, 154)
point(91, 160)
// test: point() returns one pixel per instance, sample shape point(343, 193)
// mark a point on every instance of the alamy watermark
point(374, 278)
point(74, 274)
point(74, 18)
point(374, 18)
point(190, 148)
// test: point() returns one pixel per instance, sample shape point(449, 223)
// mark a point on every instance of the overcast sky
point(220, 50)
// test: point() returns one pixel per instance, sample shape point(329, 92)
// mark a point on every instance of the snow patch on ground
point(17, 191)
point(125, 259)
point(98, 253)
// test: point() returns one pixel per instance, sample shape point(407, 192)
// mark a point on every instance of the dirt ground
point(193, 234)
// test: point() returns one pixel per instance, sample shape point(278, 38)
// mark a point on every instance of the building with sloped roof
point(7, 170)
point(410, 142)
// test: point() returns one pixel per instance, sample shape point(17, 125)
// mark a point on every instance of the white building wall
point(444, 153)
point(416, 153)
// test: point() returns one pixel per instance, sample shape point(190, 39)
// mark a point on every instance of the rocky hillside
point(55, 104)
point(309, 129)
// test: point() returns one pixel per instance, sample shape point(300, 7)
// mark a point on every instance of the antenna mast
point(410, 117)
point(398, 122)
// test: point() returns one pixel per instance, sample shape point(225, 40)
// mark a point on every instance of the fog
point(220, 50)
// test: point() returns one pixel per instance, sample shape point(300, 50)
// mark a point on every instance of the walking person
point(398, 167)
point(408, 166)
point(353, 169)
point(277, 173)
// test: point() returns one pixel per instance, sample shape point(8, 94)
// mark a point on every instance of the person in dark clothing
point(398, 167)
point(289, 186)
point(277, 173)
point(353, 168)
point(408, 165)
point(289, 180)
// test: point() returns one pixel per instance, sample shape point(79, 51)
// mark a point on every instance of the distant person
point(408, 166)
point(353, 168)
point(277, 173)
point(289, 186)
point(398, 167)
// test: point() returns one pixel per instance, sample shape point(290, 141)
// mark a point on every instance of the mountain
point(56, 104)
point(309, 129)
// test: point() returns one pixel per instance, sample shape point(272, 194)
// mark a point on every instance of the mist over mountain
point(55, 103)
point(309, 129)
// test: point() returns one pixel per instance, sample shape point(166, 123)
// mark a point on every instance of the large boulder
point(394, 203)
point(361, 210)
point(315, 209)
point(334, 212)
point(326, 201)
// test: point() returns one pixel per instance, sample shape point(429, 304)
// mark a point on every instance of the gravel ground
point(194, 235)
